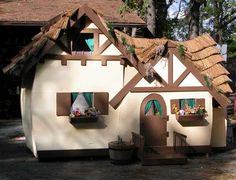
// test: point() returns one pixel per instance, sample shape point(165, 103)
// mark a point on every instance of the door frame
point(142, 109)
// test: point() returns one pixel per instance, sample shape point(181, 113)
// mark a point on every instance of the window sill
point(83, 119)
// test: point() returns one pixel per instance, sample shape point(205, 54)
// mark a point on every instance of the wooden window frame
point(64, 102)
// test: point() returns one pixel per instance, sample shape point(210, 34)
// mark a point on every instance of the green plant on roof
point(208, 81)
point(181, 49)
point(124, 40)
point(130, 48)
point(111, 29)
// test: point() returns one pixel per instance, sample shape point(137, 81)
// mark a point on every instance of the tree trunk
point(151, 17)
point(217, 22)
point(161, 22)
point(194, 19)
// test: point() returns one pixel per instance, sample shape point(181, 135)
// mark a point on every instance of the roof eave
point(124, 24)
point(23, 23)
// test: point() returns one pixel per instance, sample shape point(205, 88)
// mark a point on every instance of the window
point(83, 43)
point(67, 102)
point(153, 107)
point(186, 104)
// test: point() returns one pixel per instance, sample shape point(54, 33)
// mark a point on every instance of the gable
point(190, 81)
point(143, 83)
point(111, 50)
point(178, 68)
point(162, 68)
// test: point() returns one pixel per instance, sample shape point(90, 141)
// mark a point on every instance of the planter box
point(121, 153)
point(83, 119)
point(189, 117)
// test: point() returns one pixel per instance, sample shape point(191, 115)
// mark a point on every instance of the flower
point(190, 110)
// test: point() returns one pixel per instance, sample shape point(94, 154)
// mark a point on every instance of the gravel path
point(17, 162)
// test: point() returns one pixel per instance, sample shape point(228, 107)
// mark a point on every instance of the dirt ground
point(17, 162)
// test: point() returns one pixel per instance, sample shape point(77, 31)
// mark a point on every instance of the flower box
point(189, 117)
point(83, 119)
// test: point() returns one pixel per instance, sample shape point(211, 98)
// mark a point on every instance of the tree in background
point(220, 19)
point(194, 17)
point(154, 12)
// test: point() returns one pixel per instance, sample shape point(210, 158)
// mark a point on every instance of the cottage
point(85, 82)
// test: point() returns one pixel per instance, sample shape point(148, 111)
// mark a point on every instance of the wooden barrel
point(121, 153)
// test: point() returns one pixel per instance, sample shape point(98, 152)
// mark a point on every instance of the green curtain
point(191, 103)
point(157, 106)
point(90, 43)
point(74, 96)
point(89, 98)
point(182, 103)
point(148, 106)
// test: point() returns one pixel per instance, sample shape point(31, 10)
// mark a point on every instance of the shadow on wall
point(99, 124)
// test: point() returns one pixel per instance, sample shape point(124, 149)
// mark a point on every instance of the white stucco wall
point(218, 137)
point(196, 135)
point(54, 132)
point(27, 119)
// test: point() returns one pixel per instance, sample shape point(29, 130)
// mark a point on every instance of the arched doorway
point(153, 120)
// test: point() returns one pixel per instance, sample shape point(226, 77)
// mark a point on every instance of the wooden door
point(153, 120)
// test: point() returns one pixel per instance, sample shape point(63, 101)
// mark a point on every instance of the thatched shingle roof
point(207, 58)
point(201, 51)
point(22, 11)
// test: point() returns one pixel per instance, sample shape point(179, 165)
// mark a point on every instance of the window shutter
point(63, 104)
point(200, 102)
point(172, 102)
point(101, 102)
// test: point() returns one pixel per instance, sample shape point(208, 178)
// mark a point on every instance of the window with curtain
point(66, 102)
point(83, 43)
point(187, 103)
point(81, 102)
point(153, 107)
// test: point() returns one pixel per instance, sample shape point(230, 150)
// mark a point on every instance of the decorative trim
point(130, 85)
point(116, 100)
point(103, 47)
point(90, 31)
point(83, 58)
point(49, 154)
point(166, 89)
point(170, 69)
point(181, 77)
point(197, 74)
point(96, 41)
point(79, 57)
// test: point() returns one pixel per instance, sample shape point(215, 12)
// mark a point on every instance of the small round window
point(153, 107)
